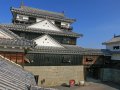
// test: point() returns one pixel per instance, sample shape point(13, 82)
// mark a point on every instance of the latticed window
point(22, 35)
point(116, 47)
point(72, 42)
point(58, 24)
point(32, 19)
point(66, 40)
point(21, 17)
point(66, 59)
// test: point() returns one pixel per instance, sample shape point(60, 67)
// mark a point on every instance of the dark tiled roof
point(41, 13)
point(16, 42)
point(101, 51)
point(113, 40)
point(24, 28)
point(69, 49)
point(10, 49)
point(2, 28)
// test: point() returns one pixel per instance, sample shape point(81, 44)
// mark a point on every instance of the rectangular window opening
point(116, 47)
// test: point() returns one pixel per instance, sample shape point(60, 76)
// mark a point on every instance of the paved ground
point(93, 85)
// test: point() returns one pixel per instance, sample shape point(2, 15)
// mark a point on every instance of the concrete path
point(92, 84)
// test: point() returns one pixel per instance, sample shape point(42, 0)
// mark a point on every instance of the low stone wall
point(57, 75)
point(108, 74)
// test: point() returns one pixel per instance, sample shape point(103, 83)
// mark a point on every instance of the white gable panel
point(47, 41)
point(46, 25)
point(4, 35)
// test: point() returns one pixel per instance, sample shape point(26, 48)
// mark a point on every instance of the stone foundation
point(57, 75)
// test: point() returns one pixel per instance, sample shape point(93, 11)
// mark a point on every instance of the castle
point(44, 43)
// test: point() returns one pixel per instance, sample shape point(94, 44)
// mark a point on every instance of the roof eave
point(14, 10)
point(55, 33)
point(106, 43)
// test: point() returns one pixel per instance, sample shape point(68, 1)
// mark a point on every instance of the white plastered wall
point(25, 18)
point(110, 46)
point(39, 19)
point(114, 56)
point(65, 24)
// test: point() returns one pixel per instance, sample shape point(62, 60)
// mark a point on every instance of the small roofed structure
point(113, 45)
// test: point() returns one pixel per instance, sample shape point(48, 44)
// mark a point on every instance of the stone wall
point(57, 75)
point(112, 75)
